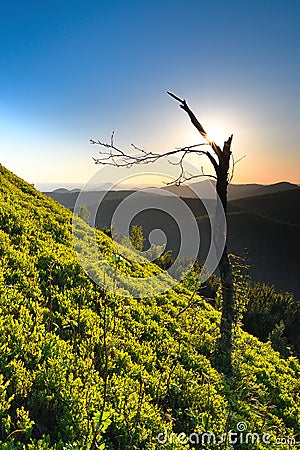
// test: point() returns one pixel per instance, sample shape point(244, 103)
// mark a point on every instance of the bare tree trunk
point(224, 345)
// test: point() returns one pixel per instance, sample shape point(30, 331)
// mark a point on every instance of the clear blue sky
point(71, 71)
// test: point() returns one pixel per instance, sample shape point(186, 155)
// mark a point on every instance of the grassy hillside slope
point(80, 369)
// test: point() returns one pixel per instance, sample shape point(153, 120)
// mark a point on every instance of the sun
point(216, 135)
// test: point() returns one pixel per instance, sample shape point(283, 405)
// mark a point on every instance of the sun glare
point(215, 134)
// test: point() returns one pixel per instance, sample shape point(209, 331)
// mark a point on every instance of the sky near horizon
point(74, 70)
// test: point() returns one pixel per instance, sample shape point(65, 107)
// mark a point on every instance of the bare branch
point(194, 120)
point(234, 163)
point(227, 146)
point(182, 178)
point(112, 138)
point(117, 157)
point(213, 161)
point(188, 177)
point(176, 98)
point(209, 175)
point(196, 123)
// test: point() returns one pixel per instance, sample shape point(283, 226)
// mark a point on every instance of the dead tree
point(220, 160)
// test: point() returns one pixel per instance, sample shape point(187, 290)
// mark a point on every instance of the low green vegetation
point(82, 369)
point(269, 315)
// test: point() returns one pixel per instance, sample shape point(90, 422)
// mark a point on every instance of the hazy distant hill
point(89, 198)
point(61, 191)
point(270, 247)
point(282, 206)
point(202, 189)
point(250, 190)
point(235, 191)
point(264, 229)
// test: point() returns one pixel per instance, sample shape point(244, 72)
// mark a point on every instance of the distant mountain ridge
point(203, 189)
point(235, 191)
point(279, 206)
